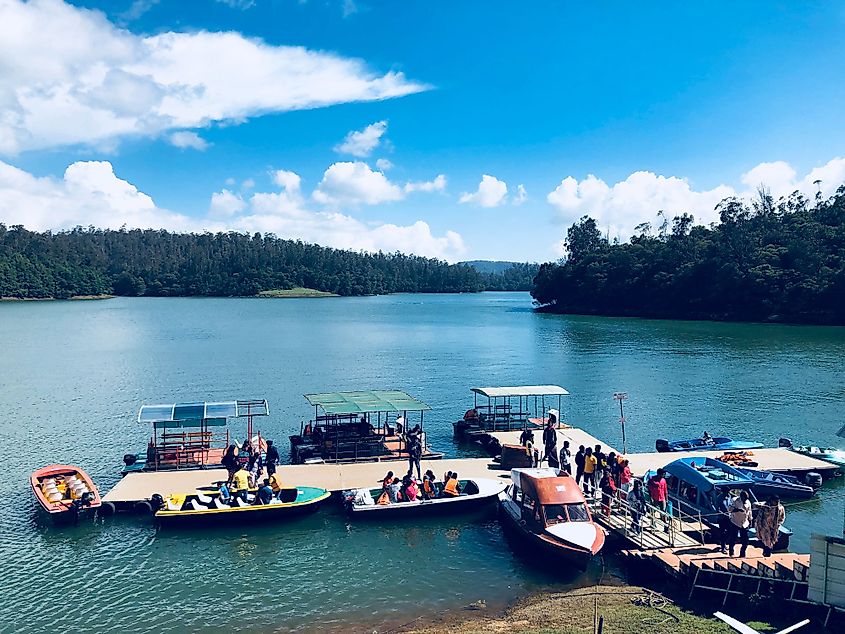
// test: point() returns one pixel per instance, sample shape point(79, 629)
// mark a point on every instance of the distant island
point(90, 262)
point(777, 261)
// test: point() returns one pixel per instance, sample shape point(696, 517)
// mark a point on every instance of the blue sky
point(668, 106)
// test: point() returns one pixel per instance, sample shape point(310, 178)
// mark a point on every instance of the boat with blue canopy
point(192, 435)
point(512, 408)
point(698, 486)
point(360, 426)
point(706, 443)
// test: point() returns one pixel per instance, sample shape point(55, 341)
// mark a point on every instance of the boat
point(475, 493)
point(362, 426)
point(768, 483)
point(64, 492)
point(192, 435)
point(510, 409)
point(706, 443)
point(199, 508)
point(829, 454)
point(546, 510)
point(698, 486)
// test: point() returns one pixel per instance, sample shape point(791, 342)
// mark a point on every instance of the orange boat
point(64, 492)
point(547, 511)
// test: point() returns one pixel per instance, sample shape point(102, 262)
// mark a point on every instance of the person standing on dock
point(579, 464)
point(601, 463)
point(272, 458)
point(636, 502)
point(414, 454)
point(566, 458)
point(549, 443)
point(769, 520)
point(740, 512)
point(658, 491)
point(589, 472)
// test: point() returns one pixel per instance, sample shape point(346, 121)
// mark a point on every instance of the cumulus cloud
point(355, 184)
point(225, 204)
point(622, 206)
point(72, 77)
point(383, 164)
point(361, 143)
point(521, 195)
point(436, 185)
point(186, 139)
point(491, 192)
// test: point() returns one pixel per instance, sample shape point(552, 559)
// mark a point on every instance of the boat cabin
point(511, 408)
point(546, 499)
point(360, 426)
point(191, 435)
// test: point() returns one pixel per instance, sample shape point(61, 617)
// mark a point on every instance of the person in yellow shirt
point(590, 464)
point(240, 484)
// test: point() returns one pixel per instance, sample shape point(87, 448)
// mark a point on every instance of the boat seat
point(240, 502)
point(220, 504)
point(250, 498)
point(288, 495)
point(204, 499)
point(197, 506)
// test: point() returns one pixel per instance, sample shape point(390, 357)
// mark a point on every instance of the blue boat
point(768, 483)
point(706, 443)
point(699, 486)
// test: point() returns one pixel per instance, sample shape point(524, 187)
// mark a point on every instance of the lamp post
point(621, 397)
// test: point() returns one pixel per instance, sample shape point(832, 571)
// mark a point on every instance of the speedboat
point(547, 511)
point(208, 509)
point(829, 454)
point(697, 488)
point(64, 492)
point(475, 493)
point(768, 483)
point(706, 443)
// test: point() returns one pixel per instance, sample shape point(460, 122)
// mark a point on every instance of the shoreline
point(73, 298)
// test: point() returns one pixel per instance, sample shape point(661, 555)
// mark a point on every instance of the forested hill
point(160, 263)
point(505, 276)
point(771, 261)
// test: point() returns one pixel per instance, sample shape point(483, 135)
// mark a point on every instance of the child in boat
point(223, 492)
point(240, 483)
point(394, 491)
point(429, 488)
point(265, 493)
point(387, 481)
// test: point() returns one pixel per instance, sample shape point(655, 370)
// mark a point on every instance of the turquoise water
point(73, 374)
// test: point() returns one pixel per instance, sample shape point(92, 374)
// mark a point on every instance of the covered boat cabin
point(191, 435)
point(360, 426)
point(512, 408)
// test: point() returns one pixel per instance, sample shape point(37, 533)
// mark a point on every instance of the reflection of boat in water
point(698, 486)
point(357, 427)
point(510, 409)
point(829, 454)
point(547, 511)
point(64, 492)
point(200, 509)
point(706, 443)
point(768, 483)
point(475, 493)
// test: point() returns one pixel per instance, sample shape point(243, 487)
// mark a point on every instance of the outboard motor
point(129, 459)
point(156, 502)
point(814, 479)
point(785, 442)
point(662, 445)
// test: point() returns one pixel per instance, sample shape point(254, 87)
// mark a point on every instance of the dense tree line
point(160, 263)
point(772, 260)
point(516, 277)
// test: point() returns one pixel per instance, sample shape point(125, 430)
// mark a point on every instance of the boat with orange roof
point(64, 492)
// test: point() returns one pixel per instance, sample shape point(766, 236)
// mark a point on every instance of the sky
point(457, 130)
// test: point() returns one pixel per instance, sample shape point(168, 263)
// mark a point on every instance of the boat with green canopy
point(361, 426)
point(192, 435)
point(511, 408)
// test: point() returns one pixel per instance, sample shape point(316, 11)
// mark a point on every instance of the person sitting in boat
point(452, 487)
point(223, 492)
point(394, 491)
point(240, 483)
point(387, 481)
point(409, 489)
point(471, 415)
point(429, 488)
point(276, 484)
point(527, 436)
point(265, 493)
point(707, 438)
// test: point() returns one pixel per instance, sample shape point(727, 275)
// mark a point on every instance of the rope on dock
point(659, 603)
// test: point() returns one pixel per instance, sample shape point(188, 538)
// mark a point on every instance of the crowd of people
point(410, 489)
point(245, 466)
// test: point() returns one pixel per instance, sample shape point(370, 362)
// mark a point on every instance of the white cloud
point(621, 207)
point(383, 164)
point(355, 184)
point(290, 181)
point(436, 185)
point(521, 195)
point(186, 139)
point(70, 76)
point(491, 192)
point(224, 204)
point(249, 183)
point(349, 8)
point(243, 5)
point(361, 143)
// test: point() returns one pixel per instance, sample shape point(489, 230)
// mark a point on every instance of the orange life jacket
point(451, 487)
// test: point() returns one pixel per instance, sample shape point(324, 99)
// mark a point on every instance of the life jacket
point(427, 488)
point(275, 483)
point(451, 487)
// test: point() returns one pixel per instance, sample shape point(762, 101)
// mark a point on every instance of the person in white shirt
point(740, 512)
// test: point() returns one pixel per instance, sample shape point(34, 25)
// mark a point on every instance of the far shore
point(54, 299)
point(297, 292)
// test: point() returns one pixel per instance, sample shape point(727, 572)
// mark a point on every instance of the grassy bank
point(296, 292)
point(625, 609)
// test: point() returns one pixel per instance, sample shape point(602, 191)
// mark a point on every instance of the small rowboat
point(719, 443)
point(64, 492)
point(547, 512)
point(768, 483)
point(475, 493)
point(199, 509)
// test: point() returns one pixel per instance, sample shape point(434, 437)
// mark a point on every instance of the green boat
point(199, 509)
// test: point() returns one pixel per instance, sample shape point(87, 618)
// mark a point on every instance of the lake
point(73, 375)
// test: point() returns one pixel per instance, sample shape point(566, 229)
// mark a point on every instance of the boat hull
point(697, 444)
point(64, 512)
point(239, 516)
point(782, 486)
point(485, 498)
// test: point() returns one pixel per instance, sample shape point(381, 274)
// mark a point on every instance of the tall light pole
point(621, 397)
